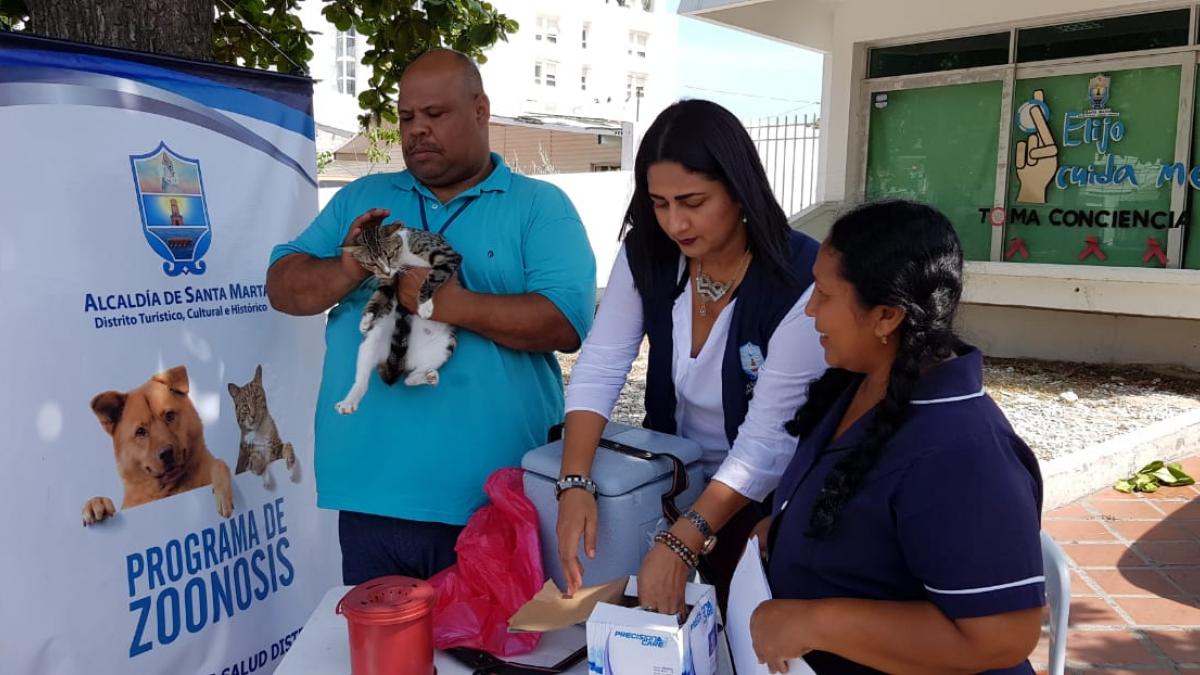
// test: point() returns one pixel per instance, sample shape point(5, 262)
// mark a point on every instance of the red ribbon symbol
point(1018, 246)
point(1093, 247)
point(1154, 250)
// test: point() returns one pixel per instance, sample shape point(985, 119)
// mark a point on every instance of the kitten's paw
point(364, 326)
point(416, 379)
point(346, 407)
point(425, 309)
point(257, 463)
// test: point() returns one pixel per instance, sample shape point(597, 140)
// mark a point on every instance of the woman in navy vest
point(905, 535)
point(712, 275)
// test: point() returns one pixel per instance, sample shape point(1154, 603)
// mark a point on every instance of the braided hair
point(900, 254)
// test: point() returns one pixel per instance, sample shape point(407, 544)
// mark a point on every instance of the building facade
point(610, 60)
point(1060, 139)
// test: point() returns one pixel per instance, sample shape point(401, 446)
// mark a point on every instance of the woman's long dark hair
point(901, 254)
point(706, 139)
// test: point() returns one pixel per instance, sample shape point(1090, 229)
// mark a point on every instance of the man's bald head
point(443, 115)
point(442, 62)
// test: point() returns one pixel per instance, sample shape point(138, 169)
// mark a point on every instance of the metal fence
point(788, 146)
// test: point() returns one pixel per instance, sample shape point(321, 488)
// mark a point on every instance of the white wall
point(601, 200)
point(1018, 332)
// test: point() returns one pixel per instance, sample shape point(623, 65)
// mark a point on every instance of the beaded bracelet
point(679, 548)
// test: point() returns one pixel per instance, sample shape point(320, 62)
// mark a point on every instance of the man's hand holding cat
point(353, 270)
point(447, 300)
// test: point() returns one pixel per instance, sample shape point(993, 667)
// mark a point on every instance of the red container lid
point(388, 600)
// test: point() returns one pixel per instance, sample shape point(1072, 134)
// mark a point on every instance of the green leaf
point(1178, 477)
point(395, 31)
point(1124, 485)
point(479, 34)
point(1155, 475)
point(340, 18)
point(1162, 475)
point(368, 99)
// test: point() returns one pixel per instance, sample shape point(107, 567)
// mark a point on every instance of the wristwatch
point(710, 539)
point(574, 481)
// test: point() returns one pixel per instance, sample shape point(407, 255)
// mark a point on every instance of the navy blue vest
point(765, 299)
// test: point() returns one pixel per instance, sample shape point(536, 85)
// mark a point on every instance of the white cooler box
point(629, 499)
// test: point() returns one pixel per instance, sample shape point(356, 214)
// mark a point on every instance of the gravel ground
point(1057, 407)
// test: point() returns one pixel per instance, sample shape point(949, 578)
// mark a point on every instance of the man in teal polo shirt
point(407, 469)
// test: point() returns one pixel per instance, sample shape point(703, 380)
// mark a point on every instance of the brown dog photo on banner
point(158, 441)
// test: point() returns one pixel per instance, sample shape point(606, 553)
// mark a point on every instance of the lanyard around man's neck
point(449, 221)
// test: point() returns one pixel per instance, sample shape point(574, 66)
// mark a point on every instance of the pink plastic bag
point(499, 569)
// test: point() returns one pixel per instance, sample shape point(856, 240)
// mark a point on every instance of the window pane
point(938, 145)
point(1104, 36)
point(927, 57)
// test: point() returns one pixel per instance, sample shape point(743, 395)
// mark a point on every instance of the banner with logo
point(157, 474)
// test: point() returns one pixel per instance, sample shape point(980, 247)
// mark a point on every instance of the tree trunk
point(180, 28)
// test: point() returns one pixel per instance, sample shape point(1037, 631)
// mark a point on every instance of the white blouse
point(763, 448)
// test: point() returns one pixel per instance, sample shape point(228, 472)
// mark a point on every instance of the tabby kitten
point(260, 444)
point(399, 343)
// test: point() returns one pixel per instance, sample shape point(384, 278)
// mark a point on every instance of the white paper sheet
point(747, 591)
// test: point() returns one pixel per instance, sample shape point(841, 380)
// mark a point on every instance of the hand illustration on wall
point(1036, 157)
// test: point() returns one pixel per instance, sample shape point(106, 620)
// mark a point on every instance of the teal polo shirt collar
point(499, 180)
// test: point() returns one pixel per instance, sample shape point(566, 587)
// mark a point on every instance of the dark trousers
point(377, 546)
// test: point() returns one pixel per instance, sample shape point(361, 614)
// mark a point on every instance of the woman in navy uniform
point(905, 534)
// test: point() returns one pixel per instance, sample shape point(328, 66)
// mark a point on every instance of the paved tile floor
point(1135, 580)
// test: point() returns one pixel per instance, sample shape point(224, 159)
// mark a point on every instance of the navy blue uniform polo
point(950, 514)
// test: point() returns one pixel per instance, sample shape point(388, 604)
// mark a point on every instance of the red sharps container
point(391, 626)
